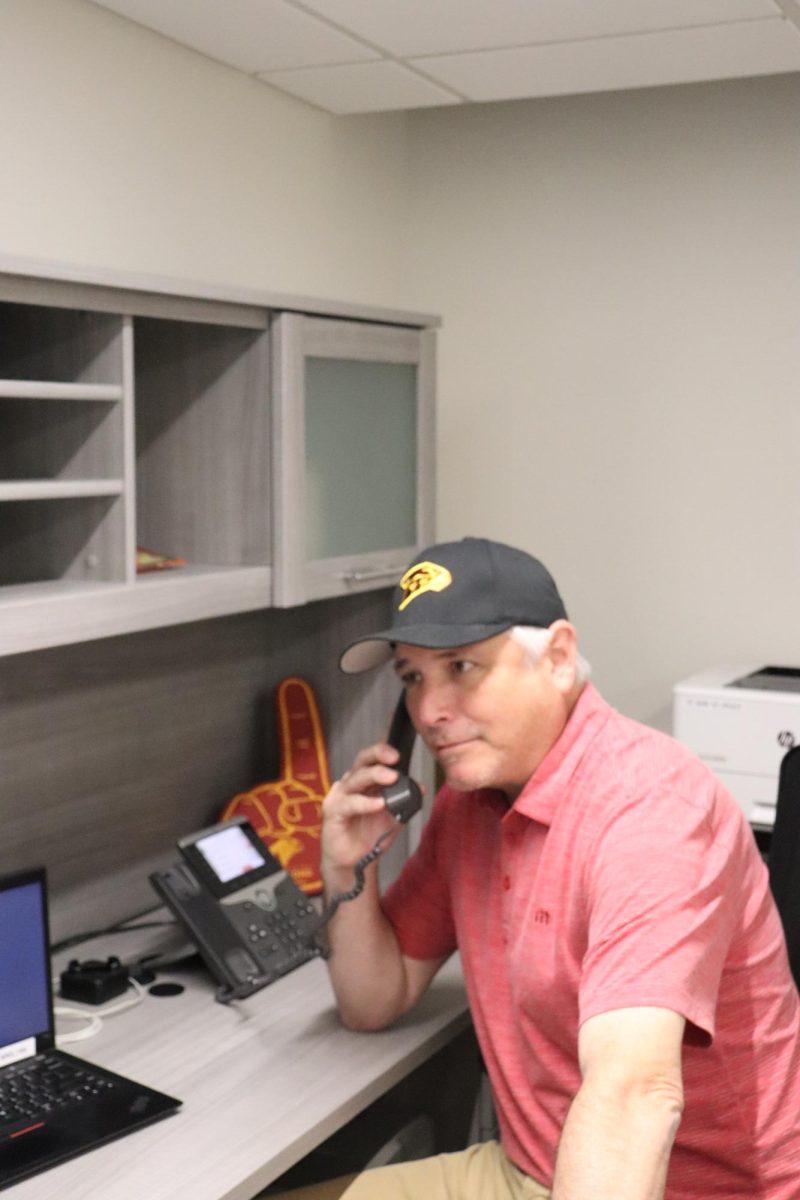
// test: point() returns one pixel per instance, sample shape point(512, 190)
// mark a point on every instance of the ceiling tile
point(251, 35)
point(645, 60)
point(417, 27)
point(363, 87)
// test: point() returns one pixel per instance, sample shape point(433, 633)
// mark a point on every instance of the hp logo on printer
point(786, 738)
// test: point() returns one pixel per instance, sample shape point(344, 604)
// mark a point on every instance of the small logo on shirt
point(541, 916)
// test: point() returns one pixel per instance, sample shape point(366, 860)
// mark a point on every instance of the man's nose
point(433, 705)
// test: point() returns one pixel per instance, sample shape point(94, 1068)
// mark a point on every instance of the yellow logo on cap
point(423, 577)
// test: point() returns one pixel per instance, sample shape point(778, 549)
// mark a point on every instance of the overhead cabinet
point(353, 453)
point(279, 456)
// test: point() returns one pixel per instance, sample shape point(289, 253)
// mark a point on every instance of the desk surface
point(263, 1082)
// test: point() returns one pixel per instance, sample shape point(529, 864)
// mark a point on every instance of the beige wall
point(618, 276)
point(620, 361)
point(123, 149)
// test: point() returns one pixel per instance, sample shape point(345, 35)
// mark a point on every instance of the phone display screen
point(230, 853)
point(228, 856)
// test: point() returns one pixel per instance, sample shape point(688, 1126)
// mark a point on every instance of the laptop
point(53, 1106)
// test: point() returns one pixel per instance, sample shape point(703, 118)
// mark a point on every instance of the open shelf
point(59, 489)
point(63, 486)
point(35, 616)
point(202, 442)
point(58, 531)
point(116, 432)
point(36, 389)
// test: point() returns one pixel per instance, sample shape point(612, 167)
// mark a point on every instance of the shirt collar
point(539, 798)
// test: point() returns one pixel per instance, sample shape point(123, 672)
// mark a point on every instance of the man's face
point(487, 715)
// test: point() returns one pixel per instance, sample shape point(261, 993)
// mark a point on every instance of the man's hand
point(373, 981)
point(354, 814)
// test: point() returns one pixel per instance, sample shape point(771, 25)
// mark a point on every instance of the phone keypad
point(282, 932)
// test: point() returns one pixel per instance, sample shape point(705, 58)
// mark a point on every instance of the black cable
point(358, 871)
point(122, 926)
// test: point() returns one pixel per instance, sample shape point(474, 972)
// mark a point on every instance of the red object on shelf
point(148, 560)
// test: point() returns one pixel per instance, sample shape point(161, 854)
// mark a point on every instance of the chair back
point(784, 855)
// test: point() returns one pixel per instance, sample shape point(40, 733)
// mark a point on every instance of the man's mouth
point(452, 746)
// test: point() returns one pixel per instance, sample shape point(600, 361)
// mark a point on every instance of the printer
point(741, 722)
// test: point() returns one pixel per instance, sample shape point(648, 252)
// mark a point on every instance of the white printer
point(741, 723)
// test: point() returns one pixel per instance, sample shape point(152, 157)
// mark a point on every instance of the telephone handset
point(404, 797)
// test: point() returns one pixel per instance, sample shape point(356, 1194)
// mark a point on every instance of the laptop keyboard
point(36, 1087)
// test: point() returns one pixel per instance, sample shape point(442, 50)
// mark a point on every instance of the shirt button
point(506, 883)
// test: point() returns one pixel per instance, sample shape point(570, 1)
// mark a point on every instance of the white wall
point(620, 280)
point(121, 149)
point(618, 276)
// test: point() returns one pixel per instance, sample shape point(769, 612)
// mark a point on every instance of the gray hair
point(535, 640)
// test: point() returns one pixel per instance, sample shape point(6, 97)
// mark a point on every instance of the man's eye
point(409, 677)
point(462, 665)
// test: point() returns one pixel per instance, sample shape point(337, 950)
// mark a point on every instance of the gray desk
point(263, 1082)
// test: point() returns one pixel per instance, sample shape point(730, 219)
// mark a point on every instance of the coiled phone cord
point(403, 798)
point(359, 870)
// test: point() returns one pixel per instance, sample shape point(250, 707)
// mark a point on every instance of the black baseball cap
point(457, 593)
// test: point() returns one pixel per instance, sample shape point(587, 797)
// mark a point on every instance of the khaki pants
point(481, 1172)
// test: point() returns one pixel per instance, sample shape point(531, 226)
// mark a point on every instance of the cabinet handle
point(367, 576)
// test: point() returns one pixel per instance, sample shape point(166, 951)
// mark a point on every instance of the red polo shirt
point(624, 875)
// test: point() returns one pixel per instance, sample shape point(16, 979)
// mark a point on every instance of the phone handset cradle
point(246, 915)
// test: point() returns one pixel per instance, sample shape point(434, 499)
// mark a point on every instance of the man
point(625, 965)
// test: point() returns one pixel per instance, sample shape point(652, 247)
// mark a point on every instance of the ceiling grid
point(355, 56)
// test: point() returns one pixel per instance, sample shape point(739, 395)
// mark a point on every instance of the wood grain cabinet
point(64, 473)
point(284, 456)
point(353, 453)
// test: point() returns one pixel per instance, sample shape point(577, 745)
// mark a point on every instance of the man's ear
point(563, 653)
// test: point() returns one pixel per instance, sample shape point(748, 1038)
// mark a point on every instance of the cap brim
point(376, 649)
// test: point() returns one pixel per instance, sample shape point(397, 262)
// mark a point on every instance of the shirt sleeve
point(417, 904)
point(662, 907)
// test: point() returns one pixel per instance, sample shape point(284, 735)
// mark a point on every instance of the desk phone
point(244, 912)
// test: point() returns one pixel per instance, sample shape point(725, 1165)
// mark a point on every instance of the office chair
point(784, 855)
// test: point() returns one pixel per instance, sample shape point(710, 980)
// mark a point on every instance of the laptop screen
point(25, 1004)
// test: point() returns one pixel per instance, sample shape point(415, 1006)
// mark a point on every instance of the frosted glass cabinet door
point(354, 456)
point(360, 455)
